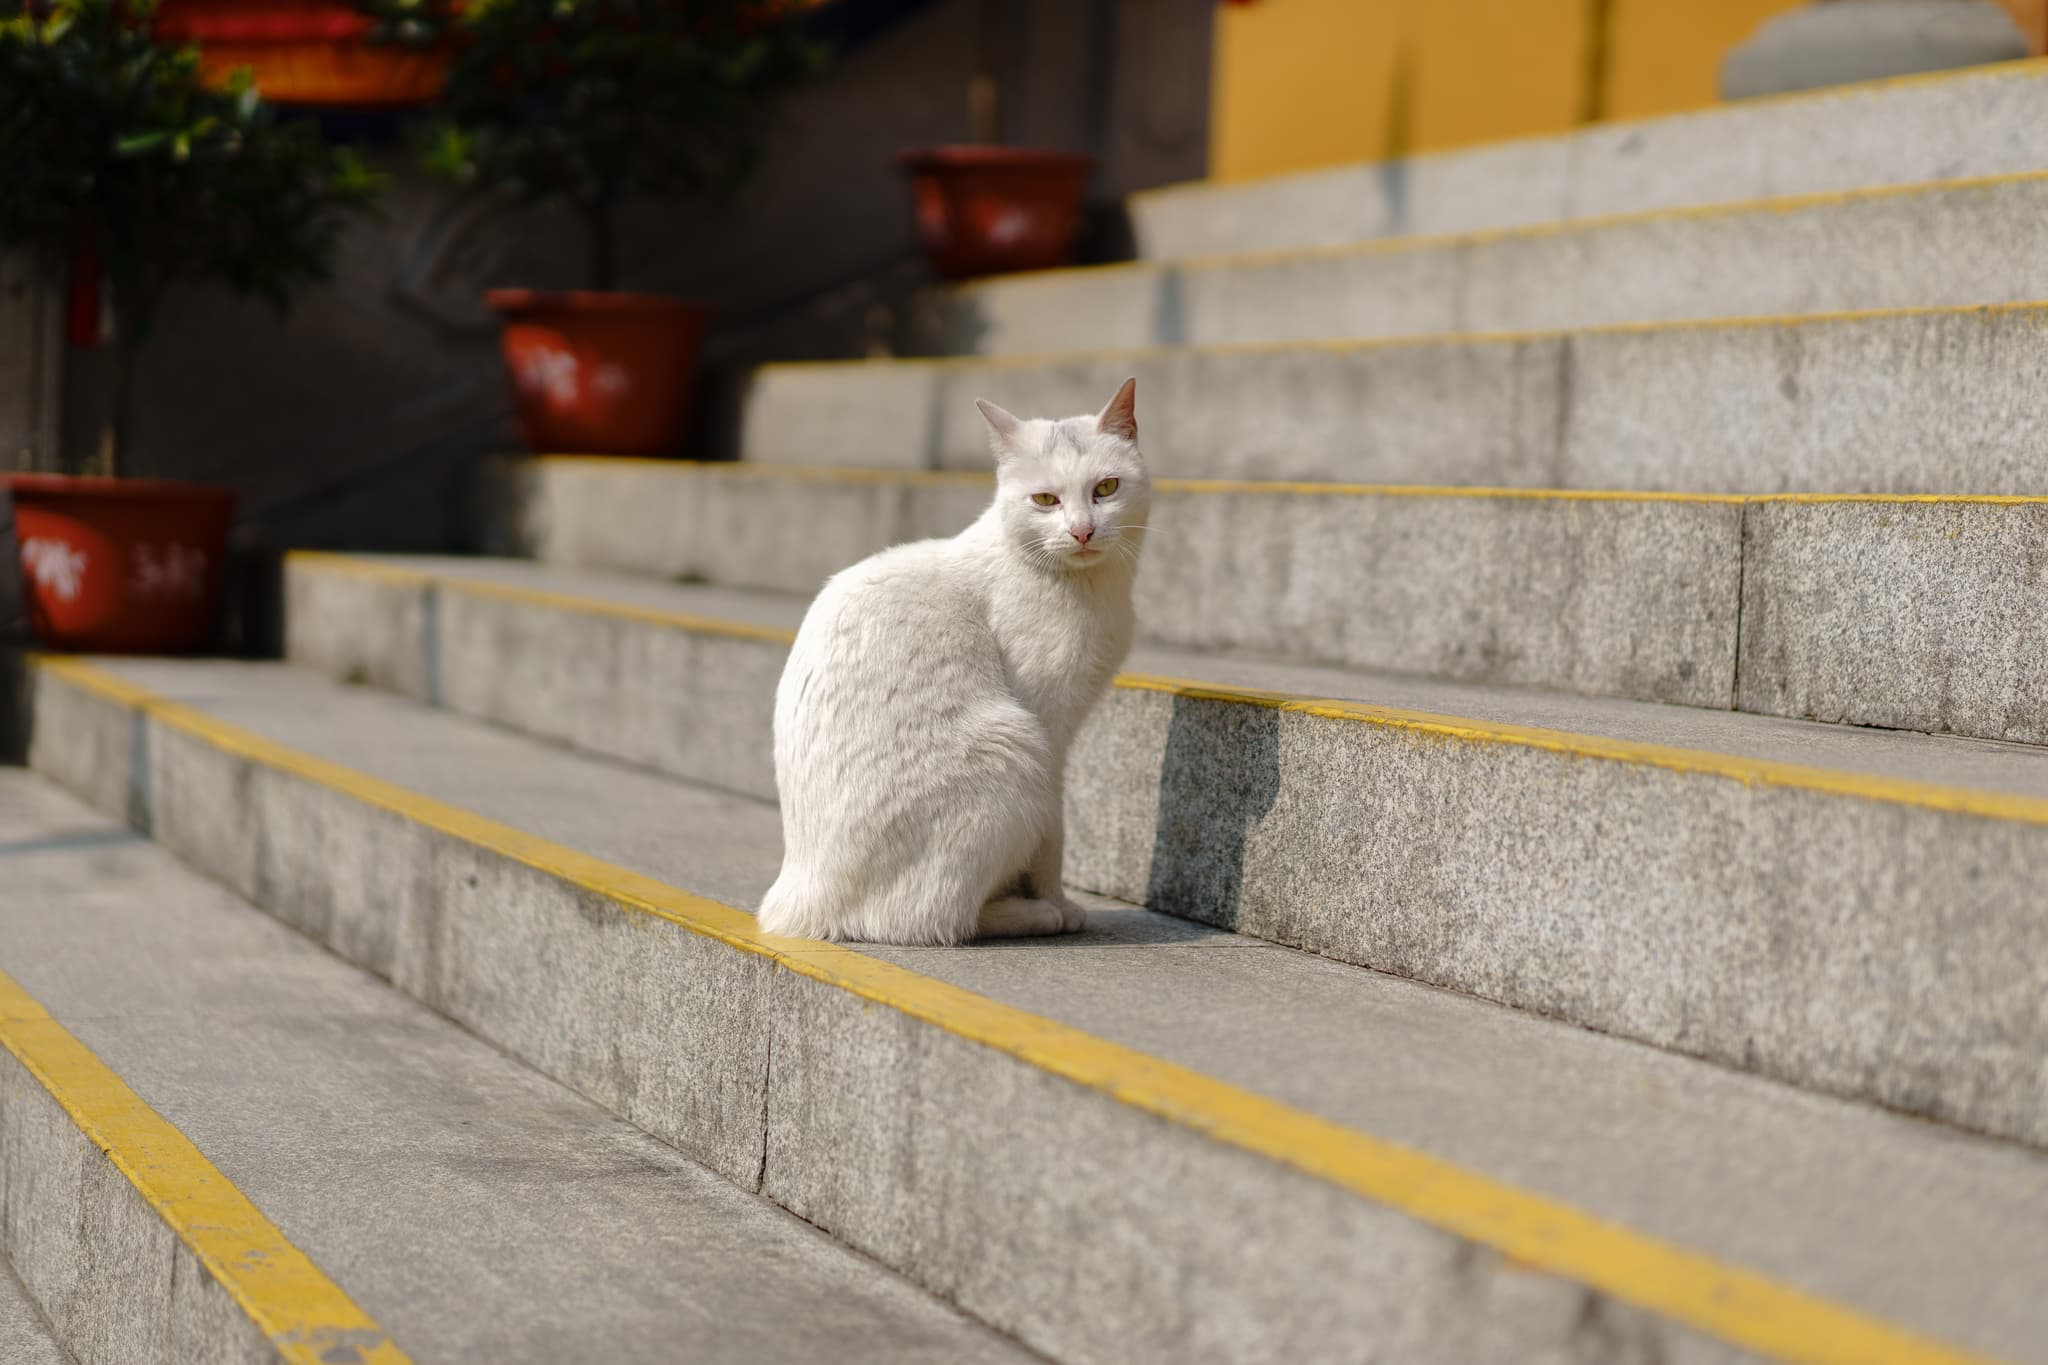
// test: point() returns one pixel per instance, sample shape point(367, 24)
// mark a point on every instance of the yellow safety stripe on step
point(1852, 91)
point(1592, 223)
point(1721, 1300)
point(940, 478)
point(1750, 772)
point(398, 575)
point(1411, 341)
point(298, 1309)
point(794, 473)
point(946, 478)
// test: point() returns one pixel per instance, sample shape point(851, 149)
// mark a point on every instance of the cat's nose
point(1081, 533)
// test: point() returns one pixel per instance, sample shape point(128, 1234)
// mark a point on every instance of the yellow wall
point(1302, 83)
point(1665, 55)
point(1298, 83)
point(1492, 68)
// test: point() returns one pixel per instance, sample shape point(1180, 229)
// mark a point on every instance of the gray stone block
point(1044, 310)
point(864, 413)
point(399, 603)
point(605, 684)
point(1325, 207)
point(1613, 596)
point(1436, 412)
point(1151, 1225)
point(112, 1278)
point(1359, 291)
point(1504, 184)
point(1974, 123)
point(1914, 401)
point(25, 1336)
point(1945, 245)
point(1910, 615)
point(1962, 243)
point(1838, 43)
point(1922, 401)
point(700, 522)
point(1565, 592)
point(1855, 609)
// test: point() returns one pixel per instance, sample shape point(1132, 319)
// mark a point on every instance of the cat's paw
point(1020, 917)
point(1073, 919)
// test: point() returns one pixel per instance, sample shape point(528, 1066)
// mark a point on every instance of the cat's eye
point(1045, 499)
point(1105, 488)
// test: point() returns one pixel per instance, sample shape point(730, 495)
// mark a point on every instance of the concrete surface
point(1974, 123)
point(1836, 43)
point(25, 1336)
point(1944, 244)
point(1777, 929)
point(1924, 616)
point(1618, 597)
point(475, 1209)
point(1094, 1231)
point(1926, 401)
point(1632, 597)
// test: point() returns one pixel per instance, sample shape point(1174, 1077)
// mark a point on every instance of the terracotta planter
point(600, 374)
point(303, 52)
point(129, 566)
point(987, 210)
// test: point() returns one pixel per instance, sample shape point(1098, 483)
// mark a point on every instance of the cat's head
point(1072, 493)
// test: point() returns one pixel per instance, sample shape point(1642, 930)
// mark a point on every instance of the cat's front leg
point(1046, 884)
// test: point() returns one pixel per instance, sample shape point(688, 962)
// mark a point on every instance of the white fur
point(923, 719)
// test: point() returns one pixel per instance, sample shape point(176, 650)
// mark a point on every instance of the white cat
point(923, 719)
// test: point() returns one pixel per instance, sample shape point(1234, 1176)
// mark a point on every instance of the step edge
point(1989, 71)
point(1473, 237)
point(1704, 762)
point(1025, 360)
point(302, 1313)
point(778, 472)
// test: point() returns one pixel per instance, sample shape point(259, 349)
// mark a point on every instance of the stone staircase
point(1566, 857)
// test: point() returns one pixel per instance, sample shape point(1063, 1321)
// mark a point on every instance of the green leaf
point(135, 144)
point(90, 103)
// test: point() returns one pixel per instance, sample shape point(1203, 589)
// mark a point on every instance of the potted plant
point(596, 104)
point(117, 157)
point(322, 54)
point(985, 209)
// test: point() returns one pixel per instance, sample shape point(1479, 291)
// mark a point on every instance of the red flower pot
point(130, 566)
point(600, 374)
point(305, 52)
point(986, 210)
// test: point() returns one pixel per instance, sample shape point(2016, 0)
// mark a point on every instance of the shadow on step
point(1219, 777)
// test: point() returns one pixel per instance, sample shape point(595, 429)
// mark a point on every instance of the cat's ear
point(1002, 426)
point(1120, 417)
